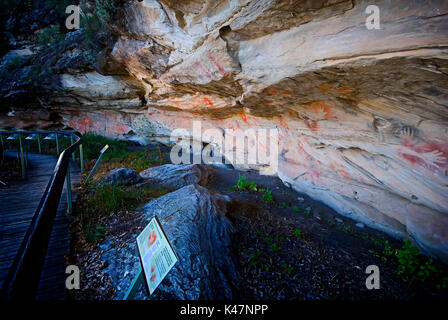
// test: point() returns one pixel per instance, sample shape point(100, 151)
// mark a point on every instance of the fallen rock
point(195, 223)
point(360, 225)
point(175, 176)
point(122, 176)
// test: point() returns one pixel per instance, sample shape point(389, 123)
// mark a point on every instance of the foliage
point(141, 160)
point(93, 234)
point(295, 208)
point(410, 262)
point(286, 268)
point(267, 196)
point(97, 21)
point(106, 199)
point(254, 258)
point(297, 233)
point(243, 185)
point(15, 63)
point(51, 35)
point(93, 143)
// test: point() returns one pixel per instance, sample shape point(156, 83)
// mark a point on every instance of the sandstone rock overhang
point(362, 114)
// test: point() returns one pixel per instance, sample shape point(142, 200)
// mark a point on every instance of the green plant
point(93, 143)
point(94, 233)
point(267, 197)
point(410, 262)
point(15, 63)
point(139, 160)
point(274, 247)
point(295, 208)
point(297, 233)
point(287, 269)
point(443, 284)
point(268, 240)
point(254, 258)
point(97, 21)
point(243, 185)
point(307, 212)
point(106, 199)
point(282, 205)
point(51, 35)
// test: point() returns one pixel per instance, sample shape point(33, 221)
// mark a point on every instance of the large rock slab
point(195, 223)
point(122, 176)
point(175, 176)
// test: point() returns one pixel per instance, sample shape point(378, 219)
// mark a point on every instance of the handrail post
point(22, 157)
point(69, 190)
point(96, 163)
point(73, 153)
point(3, 146)
point(81, 158)
point(38, 143)
point(57, 144)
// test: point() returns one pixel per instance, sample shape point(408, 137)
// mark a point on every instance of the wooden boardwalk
point(18, 203)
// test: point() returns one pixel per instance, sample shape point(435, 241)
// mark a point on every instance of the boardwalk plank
point(18, 204)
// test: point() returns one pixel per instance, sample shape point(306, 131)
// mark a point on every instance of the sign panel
point(156, 254)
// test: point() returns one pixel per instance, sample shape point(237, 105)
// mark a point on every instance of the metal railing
point(24, 275)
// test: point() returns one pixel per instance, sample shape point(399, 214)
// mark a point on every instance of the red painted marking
point(320, 106)
point(276, 92)
point(411, 158)
point(209, 102)
point(312, 125)
point(84, 123)
point(244, 118)
point(153, 277)
point(344, 173)
point(325, 87)
point(220, 68)
point(424, 147)
point(301, 149)
point(284, 124)
point(198, 64)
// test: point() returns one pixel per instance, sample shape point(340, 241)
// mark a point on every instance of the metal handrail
point(24, 275)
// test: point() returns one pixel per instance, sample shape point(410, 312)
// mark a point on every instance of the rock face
point(122, 176)
point(176, 176)
point(195, 224)
point(362, 114)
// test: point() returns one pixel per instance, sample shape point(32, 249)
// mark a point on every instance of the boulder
point(195, 223)
point(122, 176)
point(175, 176)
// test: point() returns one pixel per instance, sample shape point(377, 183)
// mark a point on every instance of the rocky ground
point(289, 248)
point(311, 253)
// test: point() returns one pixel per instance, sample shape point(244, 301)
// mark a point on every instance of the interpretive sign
point(156, 254)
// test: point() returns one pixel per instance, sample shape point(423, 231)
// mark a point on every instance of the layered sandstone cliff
point(362, 114)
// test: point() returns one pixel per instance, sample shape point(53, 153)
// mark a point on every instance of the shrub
point(93, 143)
point(410, 262)
point(106, 199)
point(267, 197)
point(51, 35)
point(243, 185)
